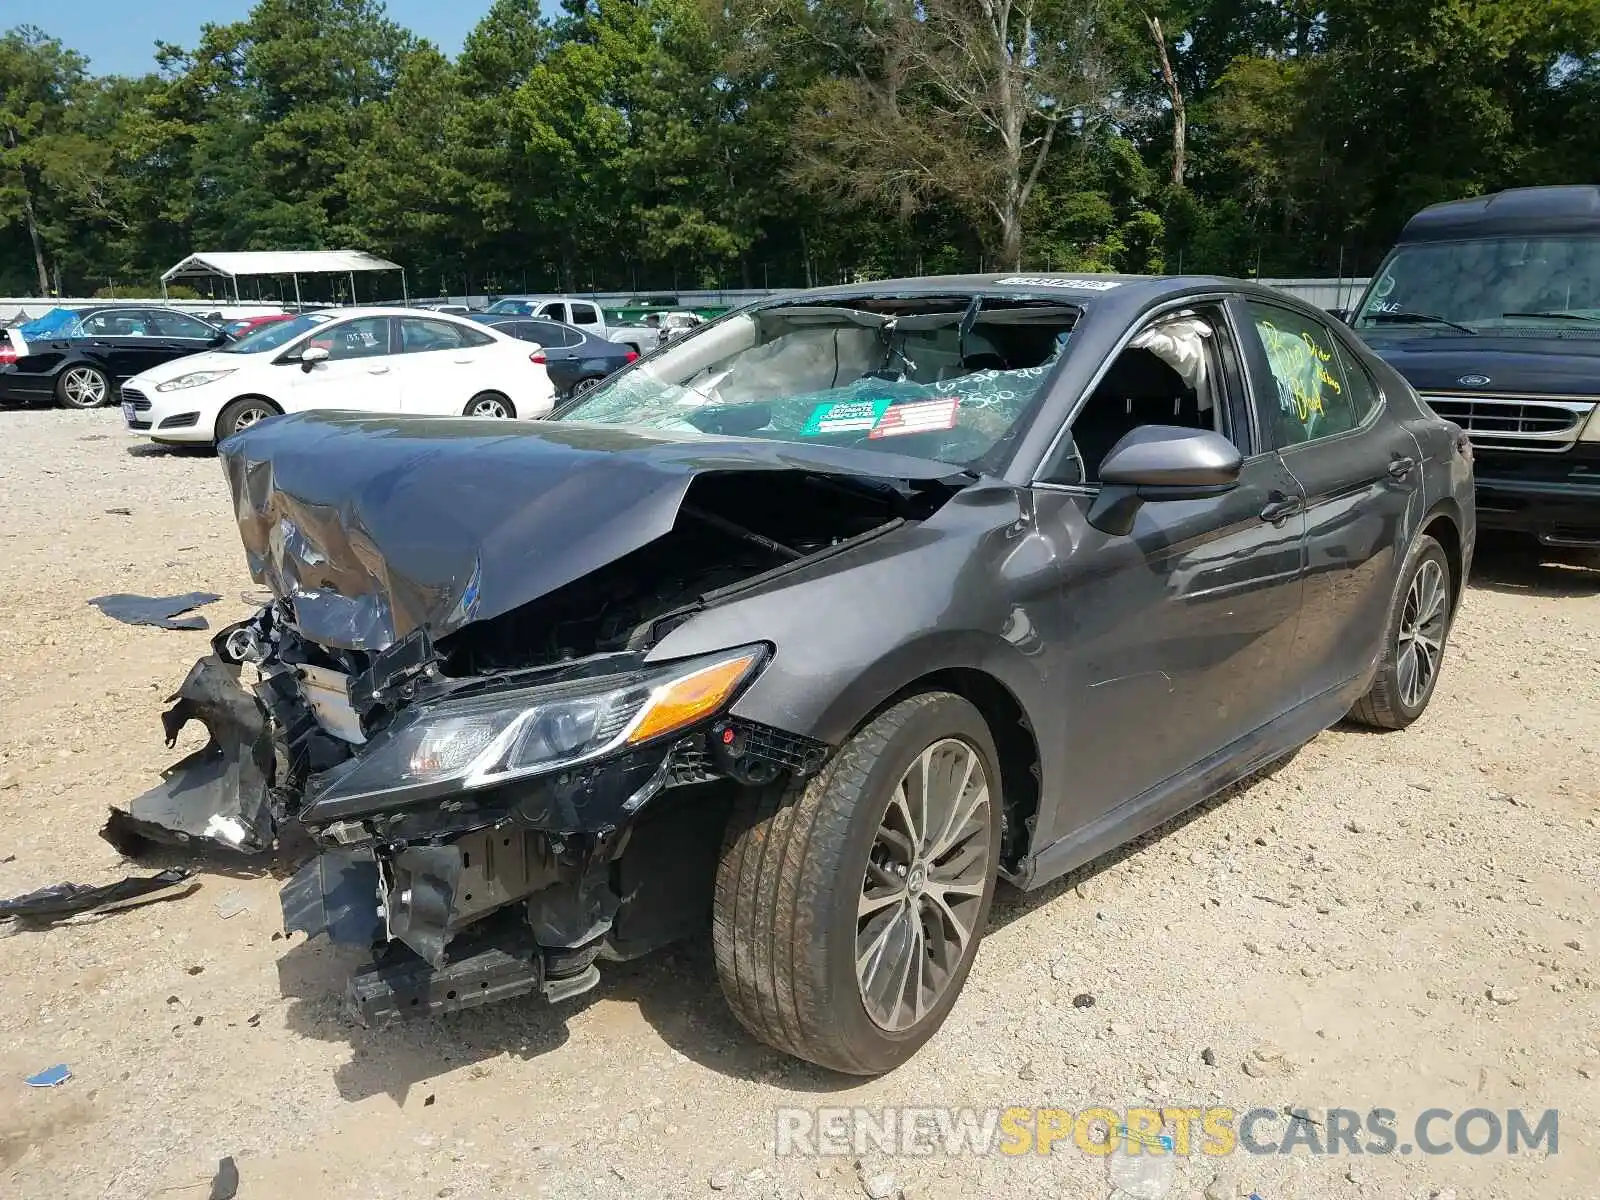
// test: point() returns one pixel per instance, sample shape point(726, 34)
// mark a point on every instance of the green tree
point(38, 82)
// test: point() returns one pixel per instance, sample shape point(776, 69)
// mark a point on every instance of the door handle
point(462, 362)
point(1280, 508)
point(377, 370)
point(1401, 465)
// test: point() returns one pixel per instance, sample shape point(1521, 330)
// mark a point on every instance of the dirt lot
point(1337, 926)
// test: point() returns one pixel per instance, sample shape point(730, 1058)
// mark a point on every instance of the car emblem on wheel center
point(1474, 380)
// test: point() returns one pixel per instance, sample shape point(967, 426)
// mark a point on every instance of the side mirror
point(1161, 462)
point(311, 356)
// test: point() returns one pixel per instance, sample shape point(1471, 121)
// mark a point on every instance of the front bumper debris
point(429, 904)
point(218, 798)
point(468, 896)
point(62, 900)
point(402, 986)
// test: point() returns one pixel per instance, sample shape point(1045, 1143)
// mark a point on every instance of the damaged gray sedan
point(808, 628)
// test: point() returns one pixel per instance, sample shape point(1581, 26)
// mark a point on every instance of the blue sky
point(119, 36)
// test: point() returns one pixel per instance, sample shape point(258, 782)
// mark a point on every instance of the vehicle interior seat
point(1139, 389)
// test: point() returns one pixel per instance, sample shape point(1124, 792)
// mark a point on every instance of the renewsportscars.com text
point(1213, 1131)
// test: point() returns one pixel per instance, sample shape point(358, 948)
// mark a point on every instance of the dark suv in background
point(1490, 308)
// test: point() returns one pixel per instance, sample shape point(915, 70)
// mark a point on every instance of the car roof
point(543, 296)
point(389, 310)
point(1081, 289)
point(1516, 212)
point(490, 318)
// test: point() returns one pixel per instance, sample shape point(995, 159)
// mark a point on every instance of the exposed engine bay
point(488, 805)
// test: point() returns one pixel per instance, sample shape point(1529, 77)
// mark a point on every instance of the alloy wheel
point(250, 416)
point(489, 407)
point(85, 387)
point(923, 891)
point(584, 385)
point(1420, 642)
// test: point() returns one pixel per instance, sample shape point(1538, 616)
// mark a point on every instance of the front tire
point(243, 413)
point(82, 386)
point(849, 907)
point(1414, 641)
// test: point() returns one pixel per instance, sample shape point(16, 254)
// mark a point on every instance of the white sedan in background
point(380, 360)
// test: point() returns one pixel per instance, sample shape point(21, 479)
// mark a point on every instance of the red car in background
point(240, 326)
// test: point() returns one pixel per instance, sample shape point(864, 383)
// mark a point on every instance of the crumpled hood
point(373, 527)
point(1519, 365)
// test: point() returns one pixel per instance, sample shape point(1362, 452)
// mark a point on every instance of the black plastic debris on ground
point(164, 612)
point(225, 1185)
point(61, 900)
point(215, 799)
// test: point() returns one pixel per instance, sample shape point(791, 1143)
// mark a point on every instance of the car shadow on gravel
point(1522, 567)
point(675, 992)
point(1010, 904)
point(154, 450)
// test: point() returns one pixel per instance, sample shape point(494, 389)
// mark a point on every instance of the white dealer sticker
point(926, 416)
point(1077, 285)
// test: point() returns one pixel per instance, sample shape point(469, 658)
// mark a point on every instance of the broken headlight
point(480, 741)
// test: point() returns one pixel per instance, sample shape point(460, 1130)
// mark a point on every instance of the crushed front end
point(458, 697)
point(487, 835)
point(494, 835)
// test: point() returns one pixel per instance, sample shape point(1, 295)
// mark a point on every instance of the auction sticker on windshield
point(924, 416)
point(847, 416)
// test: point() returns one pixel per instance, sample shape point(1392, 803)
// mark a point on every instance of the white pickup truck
point(585, 314)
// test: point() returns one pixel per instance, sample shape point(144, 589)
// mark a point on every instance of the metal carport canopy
point(231, 264)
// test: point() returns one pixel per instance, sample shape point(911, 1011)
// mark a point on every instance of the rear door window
point(177, 325)
point(418, 335)
point(585, 314)
point(1365, 396)
point(1308, 392)
point(549, 333)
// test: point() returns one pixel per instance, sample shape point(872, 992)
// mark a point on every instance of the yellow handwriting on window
point(1300, 367)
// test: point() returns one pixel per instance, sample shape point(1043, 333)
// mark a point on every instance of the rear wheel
point(242, 414)
point(1414, 641)
point(489, 404)
point(582, 386)
point(849, 908)
point(83, 387)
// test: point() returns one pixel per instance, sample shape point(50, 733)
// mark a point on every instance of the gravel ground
point(1328, 936)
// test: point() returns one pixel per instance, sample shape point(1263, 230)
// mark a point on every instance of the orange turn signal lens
point(692, 697)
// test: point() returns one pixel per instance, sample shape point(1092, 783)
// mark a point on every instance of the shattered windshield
point(1488, 285)
point(943, 377)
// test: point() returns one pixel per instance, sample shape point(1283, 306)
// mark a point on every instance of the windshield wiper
point(1411, 318)
point(1558, 316)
